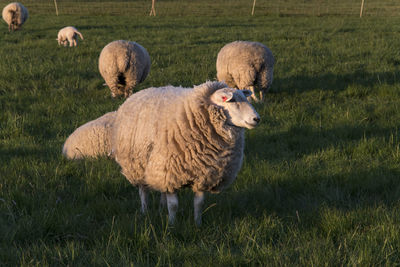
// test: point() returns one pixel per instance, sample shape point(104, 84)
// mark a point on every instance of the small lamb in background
point(244, 65)
point(123, 65)
point(15, 14)
point(69, 35)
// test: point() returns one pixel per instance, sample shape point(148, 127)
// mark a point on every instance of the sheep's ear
point(247, 93)
point(221, 96)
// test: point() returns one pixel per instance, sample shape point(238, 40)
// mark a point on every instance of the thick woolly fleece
point(69, 35)
point(123, 65)
point(171, 137)
point(242, 64)
point(15, 14)
point(92, 139)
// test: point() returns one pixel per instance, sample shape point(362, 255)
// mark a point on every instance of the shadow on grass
point(303, 140)
point(306, 187)
point(26, 153)
point(334, 82)
point(356, 190)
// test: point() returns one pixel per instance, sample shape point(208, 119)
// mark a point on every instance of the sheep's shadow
point(334, 82)
point(290, 198)
point(8, 154)
point(305, 140)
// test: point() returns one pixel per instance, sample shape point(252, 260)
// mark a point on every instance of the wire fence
point(216, 7)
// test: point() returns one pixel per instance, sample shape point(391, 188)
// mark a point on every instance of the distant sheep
point(92, 139)
point(69, 35)
point(15, 14)
point(170, 137)
point(244, 65)
point(123, 65)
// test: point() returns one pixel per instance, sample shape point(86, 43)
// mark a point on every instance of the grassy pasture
point(320, 180)
point(218, 8)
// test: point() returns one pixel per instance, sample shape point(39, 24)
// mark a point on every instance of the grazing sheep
point(15, 14)
point(92, 139)
point(170, 137)
point(244, 65)
point(123, 65)
point(69, 35)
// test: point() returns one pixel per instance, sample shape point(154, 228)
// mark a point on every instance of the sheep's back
point(22, 12)
point(6, 13)
point(138, 126)
point(121, 56)
point(242, 53)
point(67, 32)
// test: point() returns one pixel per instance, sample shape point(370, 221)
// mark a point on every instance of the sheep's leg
point(253, 95)
point(131, 82)
point(163, 201)
point(113, 85)
point(143, 198)
point(172, 202)
point(115, 90)
point(11, 27)
point(198, 204)
point(262, 95)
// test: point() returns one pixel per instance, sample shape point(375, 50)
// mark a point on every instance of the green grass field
point(320, 181)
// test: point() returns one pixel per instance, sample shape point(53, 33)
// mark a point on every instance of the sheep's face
point(239, 111)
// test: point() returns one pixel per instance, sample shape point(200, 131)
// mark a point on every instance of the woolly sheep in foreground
point(244, 64)
point(69, 35)
point(15, 14)
point(92, 139)
point(123, 65)
point(172, 137)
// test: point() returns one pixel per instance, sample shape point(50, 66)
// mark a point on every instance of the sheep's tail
point(80, 34)
point(93, 139)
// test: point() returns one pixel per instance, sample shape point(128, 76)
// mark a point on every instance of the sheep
point(69, 35)
point(244, 64)
point(169, 137)
point(15, 14)
point(123, 65)
point(92, 139)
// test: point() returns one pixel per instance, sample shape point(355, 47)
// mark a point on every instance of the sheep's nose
point(257, 119)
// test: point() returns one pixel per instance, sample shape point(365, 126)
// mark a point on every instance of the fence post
point(153, 8)
point(254, 4)
point(55, 4)
point(362, 8)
